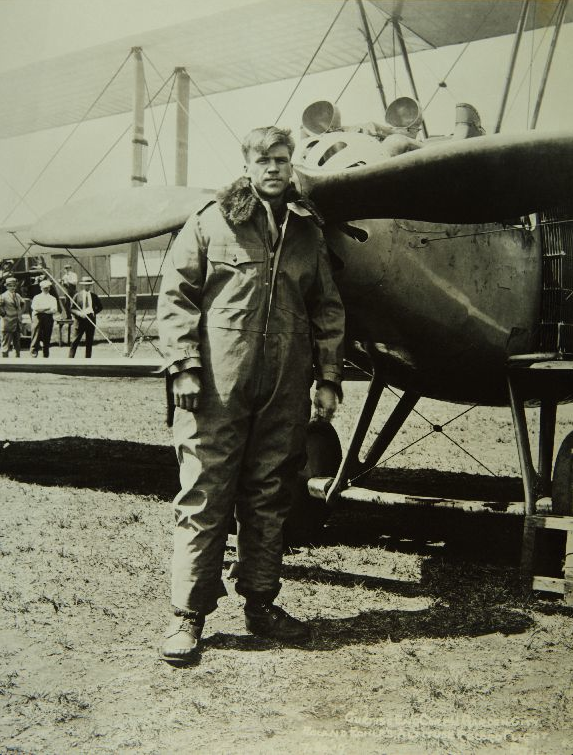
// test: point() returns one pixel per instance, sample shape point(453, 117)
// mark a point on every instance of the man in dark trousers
point(249, 316)
point(84, 309)
point(44, 306)
point(69, 281)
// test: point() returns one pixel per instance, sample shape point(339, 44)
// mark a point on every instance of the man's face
point(270, 172)
point(11, 286)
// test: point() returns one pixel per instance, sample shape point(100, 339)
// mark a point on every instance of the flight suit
point(258, 347)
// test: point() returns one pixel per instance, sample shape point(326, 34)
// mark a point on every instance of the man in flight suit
point(248, 316)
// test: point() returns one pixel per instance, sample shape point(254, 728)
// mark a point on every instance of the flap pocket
point(235, 254)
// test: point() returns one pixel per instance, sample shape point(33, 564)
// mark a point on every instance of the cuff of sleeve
point(334, 384)
point(184, 364)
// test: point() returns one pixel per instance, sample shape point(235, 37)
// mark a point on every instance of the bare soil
point(425, 640)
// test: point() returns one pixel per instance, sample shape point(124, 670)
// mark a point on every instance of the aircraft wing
point(15, 242)
point(65, 89)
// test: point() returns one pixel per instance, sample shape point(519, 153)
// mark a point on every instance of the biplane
point(453, 253)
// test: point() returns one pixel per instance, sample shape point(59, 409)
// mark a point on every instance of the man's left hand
point(325, 402)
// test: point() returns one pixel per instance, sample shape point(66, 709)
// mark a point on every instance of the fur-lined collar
point(238, 202)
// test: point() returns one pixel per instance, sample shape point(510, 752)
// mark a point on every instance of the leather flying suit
point(255, 345)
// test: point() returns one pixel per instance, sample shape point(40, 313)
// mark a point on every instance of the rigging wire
point(442, 83)
point(202, 95)
point(360, 62)
point(21, 197)
point(209, 103)
point(24, 247)
point(504, 229)
point(68, 137)
point(214, 109)
point(432, 431)
point(537, 52)
point(59, 286)
point(158, 131)
point(105, 291)
point(311, 61)
point(153, 286)
point(114, 145)
point(216, 151)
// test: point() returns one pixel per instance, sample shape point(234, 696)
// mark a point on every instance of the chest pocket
point(295, 279)
point(235, 276)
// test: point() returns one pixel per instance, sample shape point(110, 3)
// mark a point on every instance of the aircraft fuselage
point(443, 305)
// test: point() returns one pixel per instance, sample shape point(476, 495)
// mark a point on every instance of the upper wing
point(265, 41)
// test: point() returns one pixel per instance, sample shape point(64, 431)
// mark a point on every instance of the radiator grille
point(556, 327)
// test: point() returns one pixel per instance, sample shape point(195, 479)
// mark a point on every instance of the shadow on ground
point(151, 470)
point(100, 464)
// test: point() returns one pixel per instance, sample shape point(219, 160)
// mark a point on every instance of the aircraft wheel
point(562, 485)
point(308, 515)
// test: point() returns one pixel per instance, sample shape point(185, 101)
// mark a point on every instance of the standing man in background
point(248, 316)
point(69, 281)
point(84, 308)
point(44, 307)
point(12, 307)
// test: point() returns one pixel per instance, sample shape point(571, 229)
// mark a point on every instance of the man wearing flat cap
point(84, 308)
point(11, 310)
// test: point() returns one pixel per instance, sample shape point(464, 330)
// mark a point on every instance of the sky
point(32, 30)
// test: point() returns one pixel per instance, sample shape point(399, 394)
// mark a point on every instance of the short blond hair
point(265, 138)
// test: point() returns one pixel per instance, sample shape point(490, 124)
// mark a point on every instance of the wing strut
point(138, 178)
point(514, 51)
point(398, 30)
point(372, 53)
point(558, 24)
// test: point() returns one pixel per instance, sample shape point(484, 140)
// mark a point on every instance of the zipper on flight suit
point(273, 254)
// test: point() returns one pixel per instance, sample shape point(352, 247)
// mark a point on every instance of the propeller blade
point(477, 180)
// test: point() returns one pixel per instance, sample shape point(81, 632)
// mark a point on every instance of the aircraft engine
point(328, 145)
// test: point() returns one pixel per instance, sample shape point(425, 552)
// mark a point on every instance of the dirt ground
point(425, 641)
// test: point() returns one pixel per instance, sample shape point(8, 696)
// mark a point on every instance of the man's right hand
point(186, 390)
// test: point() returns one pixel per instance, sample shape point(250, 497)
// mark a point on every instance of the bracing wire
point(433, 429)
point(68, 137)
point(153, 286)
point(106, 292)
point(156, 143)
point(114, 145)
point(360, 62)
point(442, 83)
point(216, 151)
point(532, 61)
point(214, 109)
point(311, 61)
point(21, 197)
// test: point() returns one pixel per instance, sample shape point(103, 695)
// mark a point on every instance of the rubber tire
point(562, 485)
point(308, 515)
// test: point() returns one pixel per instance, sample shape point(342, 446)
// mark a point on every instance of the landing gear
point(562, 486)
point(308, 515)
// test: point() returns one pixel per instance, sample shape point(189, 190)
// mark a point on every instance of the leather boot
point(181, 644)
point(272, 622)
